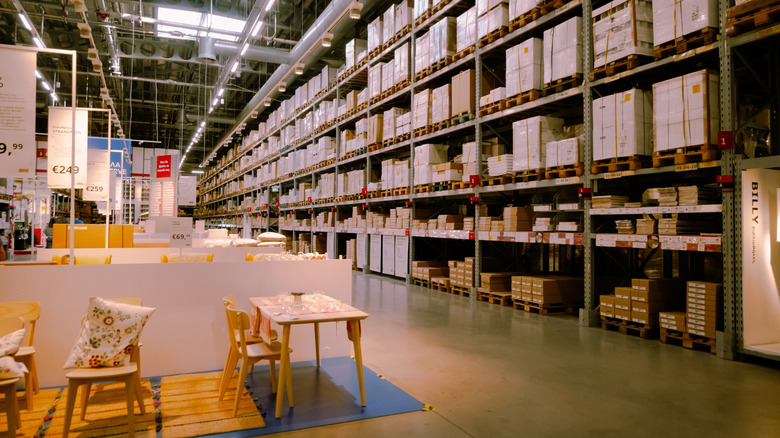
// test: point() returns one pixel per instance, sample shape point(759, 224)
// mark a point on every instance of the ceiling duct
point(206, 52)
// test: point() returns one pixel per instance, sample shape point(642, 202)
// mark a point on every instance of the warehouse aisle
point(491, 371)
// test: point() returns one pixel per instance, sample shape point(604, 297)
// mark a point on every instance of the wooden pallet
point(400, 34)
point(692, 341)
point(522, 98)
point(423, 188)
point(503, 298)
point(389, 142)
point(460, 290)
point(374, 147)
point(442, 186)
point(524, 19)
point(461, 118)
point(673, 337)
point(373, 54)
point(699, 38)
point(644, 331)
point(529, 175)
point(440, 125)
point(691, 154)
point(491, 37)
point(441, 284)
point(462, 54)
point(458, 185)
point(491, 108)
point(562, 84)
point(633, 162)
point(421, 19)
point(565, 171)
point(544, 309)
point(751, 15)
point(630, 62)
point(497, 180)
point(421, 282)
point(348, 155)
point(548, 6)
point(422, 131)
point(400, 191)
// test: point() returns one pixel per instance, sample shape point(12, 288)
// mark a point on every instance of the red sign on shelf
point(725, 140)
point(408, 203)
point(365, 191)
point(406, 232)
point(309, 199)
point(276, 203)
point(474, 180)
point(163, 168)
point(471, 234)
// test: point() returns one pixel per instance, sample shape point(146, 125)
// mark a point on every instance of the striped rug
point(31, 420)
point(190, 406)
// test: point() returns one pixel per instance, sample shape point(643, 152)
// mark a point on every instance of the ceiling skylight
point(215, 26)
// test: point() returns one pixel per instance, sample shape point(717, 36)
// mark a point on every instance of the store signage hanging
point(163, 166)
point(17, 113)
point(61, 163)
point(188, 189)
point(98, 183)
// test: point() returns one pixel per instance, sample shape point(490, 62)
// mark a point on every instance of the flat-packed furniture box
point(421, 111)
point(529, 139)
point(493, 20)
point(677, 18)
point(388, 24)
point(375, 34)
point(466, 32)
point(564, 152)
point(463, 93)
point(557, 290)
point(622, 28)
point(607, 305)
point(686, 111)
point(518, 218)
point(672, 320)
point(352, 50)
point(562, 50)
point(401, 63)
point(443, 35)
point(524, 67)
point(422, 54)
point(496, 281)
point(704, 308)
point(440, 104)
point(622, 125)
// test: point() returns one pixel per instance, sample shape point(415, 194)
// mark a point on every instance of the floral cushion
point(109, 334)
point(9, 368)
point(10, 343)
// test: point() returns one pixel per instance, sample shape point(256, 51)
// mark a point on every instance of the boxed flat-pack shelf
point(622, 131)
point(622, 37)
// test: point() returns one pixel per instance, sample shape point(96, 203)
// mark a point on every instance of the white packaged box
point(388, 24)
point(675, 18)
point(388, 75)
point(440, 104)
point(495, 19)
point(622, 28)
point(421, 111)
point(622, 125)
point(443, 35)
point(529, 138)
point(375, 29)
point(403, 15)
point(447, 175)
point(374, 80)
point(401, 63)
point(562, 153)
point(388, 174)
point(524, 67)
point(430, 154)
point(420, 6)
point(466, 33)
point(422, 58)
point(686, 111)
point(328, 76)
point(562, 50)
point(423, 174)
point(401, 174)
point(520, 7)
point(352, 51)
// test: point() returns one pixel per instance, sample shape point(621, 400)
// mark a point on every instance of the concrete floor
point(491, 371)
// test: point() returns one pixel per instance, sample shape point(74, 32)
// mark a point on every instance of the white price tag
point(181, 232)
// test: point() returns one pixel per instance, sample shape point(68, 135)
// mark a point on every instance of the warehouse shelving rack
point(717, 56)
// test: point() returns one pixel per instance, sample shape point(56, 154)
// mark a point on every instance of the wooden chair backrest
point(29, 311)
point(10, 324)
point(238, 321)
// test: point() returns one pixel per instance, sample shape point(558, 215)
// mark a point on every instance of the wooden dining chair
point(29, 311)
point(238, 321)
point(129, 375)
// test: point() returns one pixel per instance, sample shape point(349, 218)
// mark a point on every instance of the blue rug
point(328, 395)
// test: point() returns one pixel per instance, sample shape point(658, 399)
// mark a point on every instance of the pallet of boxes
point(635, 310)
point(547, 295)
point(697, 326)
point(424, 272)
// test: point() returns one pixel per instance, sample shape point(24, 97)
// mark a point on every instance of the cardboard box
point(520, 7)
point(463, 93)
point(529, 139)
point(388, 24)
point(524, 67)
point(494, 20)
point(607, 305)
point(562, 153)
point(686, 111)
point(422, 58)
point(442, 38)
point(352, 50)
point(403, 15)
point(624, 314)
point(440, 104)
point(562, 51)
point(558, 290)
point(675, 18)
point(375, 32)
point(430, 154)
point(466, 32)
point(622, 125)
point(421, 109)
point(622, 28)
point(401, 64)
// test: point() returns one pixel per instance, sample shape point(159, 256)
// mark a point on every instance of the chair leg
point(130, 384)
point(12, 410)
point(240, 384)
point(29, 389)
point(227, 372)
point(272, 369)
point(139, 394)
point(85, 392)
point(73, 387)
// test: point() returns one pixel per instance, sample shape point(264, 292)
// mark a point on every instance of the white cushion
point(9, 368)
point(272, 237)
point(10, 343)
point(109, 334)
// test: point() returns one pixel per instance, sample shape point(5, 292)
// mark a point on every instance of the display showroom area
point(187, 332)
point(153, 255)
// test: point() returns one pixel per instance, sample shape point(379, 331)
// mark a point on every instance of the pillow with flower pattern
point(108, 335)
point(9, 368)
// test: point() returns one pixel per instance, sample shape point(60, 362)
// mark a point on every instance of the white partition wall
point(761, 260)
point(187, 332)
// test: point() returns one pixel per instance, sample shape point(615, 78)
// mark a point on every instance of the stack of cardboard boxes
point(517, 218)
point(676, 18)
point(425, 158)
point(492, 15)
point(704, 308)
point(425, 270)
point(622, 28)
point(562, 47)
point(643, 301)
point(547, 291)
point(686, 111)
point(524, 67)
point(622, 125)
point(564, 152)
point(529, 140)
point(466, 35)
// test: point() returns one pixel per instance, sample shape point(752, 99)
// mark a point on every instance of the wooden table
point(28, 263)
point(268, 307)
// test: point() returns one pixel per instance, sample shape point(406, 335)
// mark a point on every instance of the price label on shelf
point(181, 232)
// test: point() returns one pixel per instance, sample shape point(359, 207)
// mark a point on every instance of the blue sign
point(120, 151)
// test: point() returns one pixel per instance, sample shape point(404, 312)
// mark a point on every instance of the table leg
point(355, 324)
point(317, 341)
point(284, 368)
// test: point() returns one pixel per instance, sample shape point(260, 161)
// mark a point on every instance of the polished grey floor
point(491, 371)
